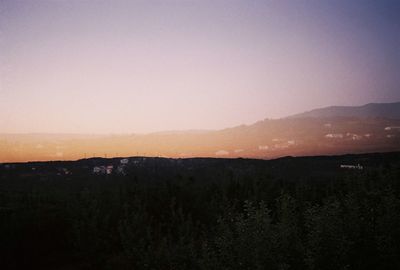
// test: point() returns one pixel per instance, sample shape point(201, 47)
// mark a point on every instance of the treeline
point(240, 221)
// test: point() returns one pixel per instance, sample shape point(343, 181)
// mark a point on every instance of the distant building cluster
point(354, 137)
point(63, 171)
point(348, 136)
point(103, 169)
point(109, 169)
point(357, 167)
point(392, 128)
point(334, 136)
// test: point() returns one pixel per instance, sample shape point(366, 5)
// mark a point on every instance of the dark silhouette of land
point(322, 212)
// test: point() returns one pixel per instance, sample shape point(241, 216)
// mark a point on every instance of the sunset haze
point(144, 66)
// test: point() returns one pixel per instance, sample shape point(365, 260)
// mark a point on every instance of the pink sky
point(143, 66)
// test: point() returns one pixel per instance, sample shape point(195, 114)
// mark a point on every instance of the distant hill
point(328, 131)
point(264, 139)
point(384, 110)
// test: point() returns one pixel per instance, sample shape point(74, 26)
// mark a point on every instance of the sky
point(146, 66)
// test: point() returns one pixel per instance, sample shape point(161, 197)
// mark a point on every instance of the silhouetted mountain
point(385, 110)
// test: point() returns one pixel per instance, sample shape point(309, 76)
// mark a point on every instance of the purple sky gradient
point(143, 66)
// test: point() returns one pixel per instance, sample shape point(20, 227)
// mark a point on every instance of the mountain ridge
point(323, 134)
point(384, 110)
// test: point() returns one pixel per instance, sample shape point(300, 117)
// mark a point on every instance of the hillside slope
point(384, 110)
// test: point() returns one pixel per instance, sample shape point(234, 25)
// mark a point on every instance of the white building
point(358, 167)
point(109, 169)
point(354, 137)
point(124, 161)
point(103, 169)
point(334, 136)
point(392, 128)
point(99, 170)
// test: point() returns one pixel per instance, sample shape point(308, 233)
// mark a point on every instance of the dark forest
point(156, 213)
